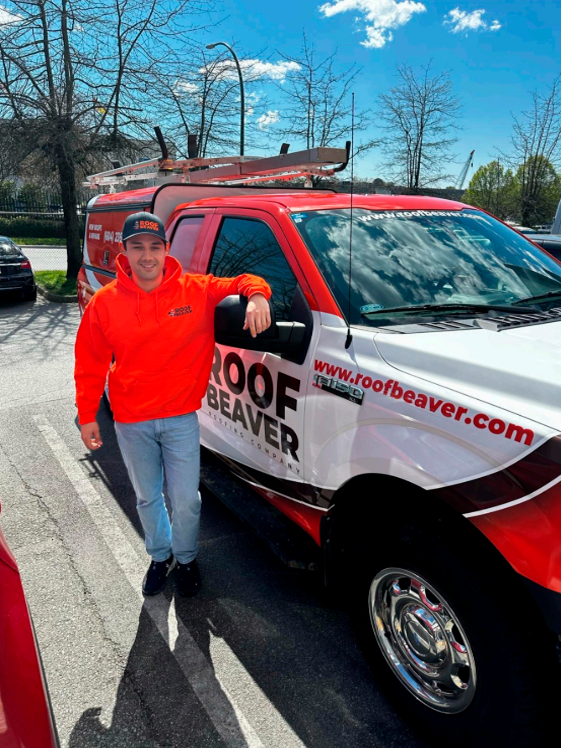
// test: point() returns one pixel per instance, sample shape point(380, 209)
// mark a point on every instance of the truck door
point(254, 410)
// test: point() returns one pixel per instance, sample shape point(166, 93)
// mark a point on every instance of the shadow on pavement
point(296, 645)
point(155, 704)
point(39, 328)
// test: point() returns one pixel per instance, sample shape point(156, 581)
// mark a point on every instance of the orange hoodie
point(163, 342)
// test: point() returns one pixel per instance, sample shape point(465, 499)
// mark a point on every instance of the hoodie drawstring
point(138, 315)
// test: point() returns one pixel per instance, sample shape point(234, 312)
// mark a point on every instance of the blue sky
point(496, 52)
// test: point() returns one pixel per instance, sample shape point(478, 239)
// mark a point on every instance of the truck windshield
point(422, 257)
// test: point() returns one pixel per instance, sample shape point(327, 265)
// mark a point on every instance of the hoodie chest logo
point(180, 311)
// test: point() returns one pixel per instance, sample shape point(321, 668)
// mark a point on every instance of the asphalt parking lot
point(261, 658)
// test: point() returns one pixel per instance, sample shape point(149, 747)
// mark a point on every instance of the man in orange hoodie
point(159, 328)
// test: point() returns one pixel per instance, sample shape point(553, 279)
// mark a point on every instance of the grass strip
point(56, 282)
point(31, 240)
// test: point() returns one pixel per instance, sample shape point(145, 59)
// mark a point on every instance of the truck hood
point(517, 369)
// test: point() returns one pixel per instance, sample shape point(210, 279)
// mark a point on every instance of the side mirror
point(281, 337)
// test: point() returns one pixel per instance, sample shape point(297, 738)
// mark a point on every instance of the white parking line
point(207, 682)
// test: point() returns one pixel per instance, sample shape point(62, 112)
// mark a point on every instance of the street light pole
point(242, 92)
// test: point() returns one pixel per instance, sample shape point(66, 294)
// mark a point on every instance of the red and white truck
point(405, 417)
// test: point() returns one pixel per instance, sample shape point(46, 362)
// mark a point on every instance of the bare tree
point(318, 101)
point(9, 156)
point(77, 75)
point(419, 116)
point(21, 158)
point(536, 152)
point(204, 100)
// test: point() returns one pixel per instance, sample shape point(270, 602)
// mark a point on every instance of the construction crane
point(463, 174)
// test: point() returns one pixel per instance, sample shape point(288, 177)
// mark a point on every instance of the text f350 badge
point(337, 387)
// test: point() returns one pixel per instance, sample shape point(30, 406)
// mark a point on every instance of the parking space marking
point(206, 682)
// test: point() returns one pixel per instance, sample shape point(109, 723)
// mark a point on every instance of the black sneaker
point(156, 577)
point(187, 578)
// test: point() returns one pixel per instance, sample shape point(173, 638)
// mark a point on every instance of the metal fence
point(36, 203)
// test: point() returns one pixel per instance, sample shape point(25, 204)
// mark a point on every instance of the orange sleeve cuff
point(84, 418)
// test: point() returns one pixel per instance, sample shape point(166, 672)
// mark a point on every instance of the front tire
point(423, 640)
point(460, 647)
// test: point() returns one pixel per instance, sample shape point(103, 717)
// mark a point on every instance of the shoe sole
point(157, 592)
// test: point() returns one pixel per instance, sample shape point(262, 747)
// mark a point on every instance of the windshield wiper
point(448, 307)
point(547, 295)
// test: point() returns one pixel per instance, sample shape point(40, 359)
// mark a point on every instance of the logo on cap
point(152, 225)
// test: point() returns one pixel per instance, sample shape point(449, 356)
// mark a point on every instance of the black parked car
point(550, 242)
point(15, 270)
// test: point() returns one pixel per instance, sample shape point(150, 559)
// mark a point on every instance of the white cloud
point(184, 88)
point(271, 118)
point(381, 16)
point(460, 21)
point(251, 100)
point(6, 17)
point(276, 71)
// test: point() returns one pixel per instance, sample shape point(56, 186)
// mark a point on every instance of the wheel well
point(375, 508)
point(373, 496)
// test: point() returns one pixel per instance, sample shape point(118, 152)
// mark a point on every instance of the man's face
point(146, 254)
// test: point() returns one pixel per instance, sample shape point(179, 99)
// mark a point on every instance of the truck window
point(248, 246)
point(184, 239)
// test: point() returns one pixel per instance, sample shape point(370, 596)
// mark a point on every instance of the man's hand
point(257, 315)
point(91, 436)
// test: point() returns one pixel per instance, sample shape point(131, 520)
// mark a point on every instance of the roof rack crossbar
point(266, 178)
point(180, 164)
point(310, 162)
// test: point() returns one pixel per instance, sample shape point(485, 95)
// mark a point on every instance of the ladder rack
point(234, 169)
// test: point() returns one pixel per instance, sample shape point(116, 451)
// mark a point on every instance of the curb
point(61, 299)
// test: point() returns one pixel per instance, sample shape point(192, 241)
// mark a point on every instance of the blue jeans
point(170, 447)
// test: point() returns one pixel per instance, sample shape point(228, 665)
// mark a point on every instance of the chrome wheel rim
point(422, 639)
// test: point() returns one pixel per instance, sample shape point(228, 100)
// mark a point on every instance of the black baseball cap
point(143, 223)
